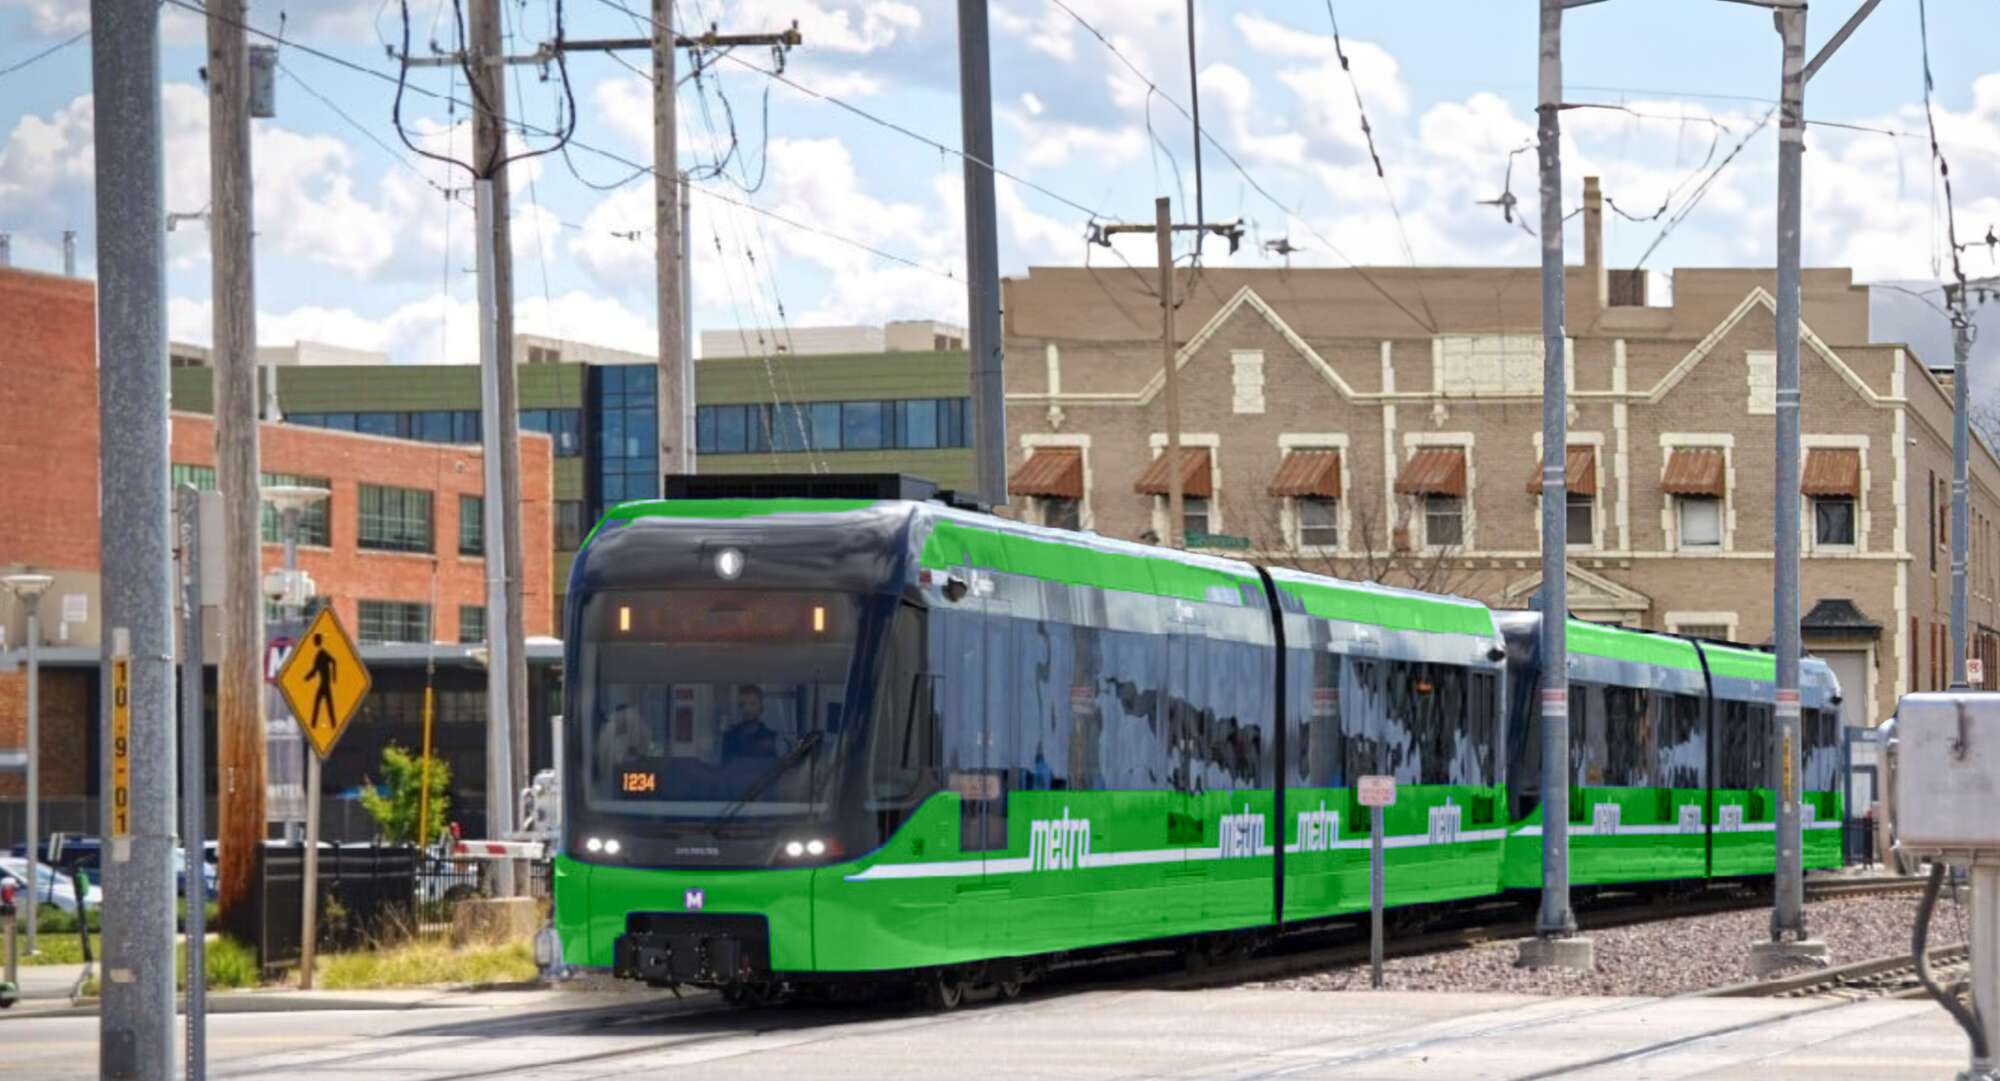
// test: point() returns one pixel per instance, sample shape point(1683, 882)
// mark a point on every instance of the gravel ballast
point(1668, 957)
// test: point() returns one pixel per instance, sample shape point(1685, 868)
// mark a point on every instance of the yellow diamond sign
point(324, 681)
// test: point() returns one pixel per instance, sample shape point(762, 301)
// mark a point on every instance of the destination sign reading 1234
point(635, 782)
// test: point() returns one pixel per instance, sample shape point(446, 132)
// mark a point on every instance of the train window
point(1482, 695)
point(1321, 751)
point(903, 746)
point(1821, 751)
point(1681, 749)
point(1364, 717)
point(1630, 741)
point(1135, 745)
point(1588, 753)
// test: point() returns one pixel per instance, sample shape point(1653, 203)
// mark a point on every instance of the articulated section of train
point(823, 739)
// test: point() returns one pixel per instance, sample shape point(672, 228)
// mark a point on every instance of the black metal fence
point(367, 895)
point(443, 882)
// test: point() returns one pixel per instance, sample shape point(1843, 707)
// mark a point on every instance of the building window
point(1700, 521)
point(564, 427)
point(395, 621)
point(569, 524)
point(315, 522)
point(1062, 513)
point(1582, 520)
point(1195, 517)
point(1444, 521)
point(1319, 523)
point(201, 476)
point(1717, 632)
point(471, 624)
point(1833, 521)
point(627, 437)
point(395, 519)
point(790, 428)
point(471, 525)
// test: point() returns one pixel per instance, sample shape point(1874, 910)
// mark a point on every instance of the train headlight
point(611, 846)
point(795, 849)
point(729, 563)
point(816, 847)
point(593, 844)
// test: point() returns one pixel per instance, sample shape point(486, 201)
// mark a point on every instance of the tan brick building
point(1386, 424)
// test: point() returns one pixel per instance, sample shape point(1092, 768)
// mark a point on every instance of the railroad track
point(1818, 889)
point(1301, 957)
point(1882, 977)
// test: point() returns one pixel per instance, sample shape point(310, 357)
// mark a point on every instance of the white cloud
point(843, 26)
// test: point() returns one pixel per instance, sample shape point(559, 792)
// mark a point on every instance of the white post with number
point(1377, 792)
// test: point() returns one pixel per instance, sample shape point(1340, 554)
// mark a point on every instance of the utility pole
point(675, 381)
point(670, 184)
point(1961, 446)
point(507, 674)
point(1555, 943)
point(1163, 230)
point(69, 253)
point(239, 691)
point(1789, 941)
point(136, 1019)
point(984, 332)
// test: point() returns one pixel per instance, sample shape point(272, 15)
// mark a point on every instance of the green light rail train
point(824, 740)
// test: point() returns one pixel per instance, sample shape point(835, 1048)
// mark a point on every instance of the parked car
point(52, 887)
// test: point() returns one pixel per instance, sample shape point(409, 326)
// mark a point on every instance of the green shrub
point(395, 813)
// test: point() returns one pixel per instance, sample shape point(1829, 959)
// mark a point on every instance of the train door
point(966, 643)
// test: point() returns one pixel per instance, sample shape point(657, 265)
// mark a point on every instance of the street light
point(28, 589)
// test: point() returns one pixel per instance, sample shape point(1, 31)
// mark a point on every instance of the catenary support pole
point(240, 687)
point(1961, 442)
point(136, 1017)
point(1555, 921)
point(1788, 910)
point(675, 362)
point(499, 743)
point(28, 589)
point(687, 328)
point(193, 791)
point(1163, 233)
point(982, 253)
point(507, 701)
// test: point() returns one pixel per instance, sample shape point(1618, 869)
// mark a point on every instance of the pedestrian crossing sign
point(324, 681)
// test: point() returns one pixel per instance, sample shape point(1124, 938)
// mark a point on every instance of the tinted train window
point(1483, 700)
point(1682, 750)
point(1744, 756)
point(903, 744)
point(1630, 742)
point(1820, 751)
point(1363, 716)
point(1321, 751)
point(1587, 751)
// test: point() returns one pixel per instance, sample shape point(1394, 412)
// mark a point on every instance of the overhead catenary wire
point(1375, 155)
point(1235, 163)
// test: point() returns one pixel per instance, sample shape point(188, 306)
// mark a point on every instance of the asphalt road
point(1235, 1034)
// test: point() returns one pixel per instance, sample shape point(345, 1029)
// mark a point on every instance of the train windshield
point(714, 706)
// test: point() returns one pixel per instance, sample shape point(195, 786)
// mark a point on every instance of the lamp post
point(28, 589)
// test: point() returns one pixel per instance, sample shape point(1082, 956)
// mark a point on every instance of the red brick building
point(397, 549)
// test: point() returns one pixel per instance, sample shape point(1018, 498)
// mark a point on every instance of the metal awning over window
point(1049, 473)
point(1580, 465)
point(1308, 474)
point(1194, 475)
point(1694, 472)
point(1433, 471)
point(1832, 472)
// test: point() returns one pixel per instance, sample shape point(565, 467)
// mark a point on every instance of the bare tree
point(1370, 550)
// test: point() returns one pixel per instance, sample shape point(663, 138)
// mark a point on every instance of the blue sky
point(357, 246)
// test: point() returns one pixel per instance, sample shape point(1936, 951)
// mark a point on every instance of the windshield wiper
point(777, 769)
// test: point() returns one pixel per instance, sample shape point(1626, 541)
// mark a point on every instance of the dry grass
point(426, 963)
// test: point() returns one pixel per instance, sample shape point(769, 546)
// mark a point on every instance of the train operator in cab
point(749, 736)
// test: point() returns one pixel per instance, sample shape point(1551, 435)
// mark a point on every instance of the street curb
point(244, 1002)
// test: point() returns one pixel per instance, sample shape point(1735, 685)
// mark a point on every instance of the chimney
point(6, 249)
point(69, 253)
point(1593, 240)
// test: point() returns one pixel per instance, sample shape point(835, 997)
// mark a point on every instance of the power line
point(880, 121)
point(532, 129)
point(1937, 155)
point(44, 54)
point(1236, 164)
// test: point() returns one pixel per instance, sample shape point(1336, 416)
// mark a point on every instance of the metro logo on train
point(900, 740)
